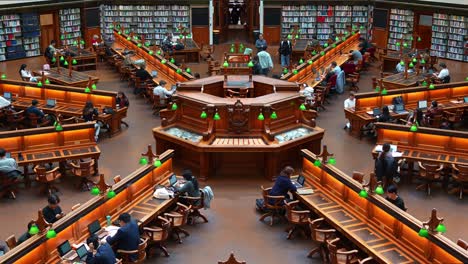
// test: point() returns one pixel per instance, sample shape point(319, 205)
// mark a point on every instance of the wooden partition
point(376, 226)
point(132, 192)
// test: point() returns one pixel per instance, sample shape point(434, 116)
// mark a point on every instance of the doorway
point(423, 31)
point(47, 30)
point(237, 20)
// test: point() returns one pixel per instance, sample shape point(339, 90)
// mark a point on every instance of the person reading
point(25, 74)
point(127, 236)
point(161, 91)
point(52, 212)
point(99, 253)
point(283, 184)
point(122, 100)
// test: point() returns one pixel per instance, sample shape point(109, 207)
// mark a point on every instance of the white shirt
point(337, 69)
point(443, 73)
point(308, 91)
point(162, 92)
point(26, 74)
point(348, 103)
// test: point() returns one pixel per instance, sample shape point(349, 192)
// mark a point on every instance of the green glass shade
point(297, 36)
point(181, 36)
point(384, 91)
point(82, 42)
point(302, 107)
point(314, 52)
point(39, 84)
point(188, 70)
point(415, 60)
point(139, 45)
point(363, 193)
point(441, 228)
point(411, 65)
point(332, 161)
point(424, 83)
point(354, 26)
point(54, 60)
point(47, 81)
point(322, 53)
point(111, 194)
point(334, 45)
point(189, 36)
point(346, 33)
point(95, 190)
point(119, 32)
point(299, 30)
point(377, 88)
point(225, 64)
point(353, 33)
point(285, 70)
point(111, 26)
point(419, 38)
point(413, 128)
point(75, 42)
point(273, 115)
point(158, 52)
point(398, 43)
point(179, 71)
point(62, 58)
point(157, 163)
point(59, 127)
point(143, 161)
point(74, 62)
point(163, 61)
point(135, 37)
point(87, 90)
point(295, 71)
point(402, 63)
point(289, 36)
point(232, 44)
point(325, 45)
point(343, 38)
point(431, 86)
point(65, 63)
point(310, 62)
point(466, 79)
point(203, 115)
point(147, 44)
point(177, 29)
point(250, 64)
point(174, 106)
point(216, 116)
point(361, 27)
point(51, 234)
point(423, 232)
point(128, 38)
point(55, 123)
point(93, 86)
point(423, 61)
point(62, 37)
point(317, 163)
point(33, 230)
point(261, 117)
point(405, 44)
point(379, 190)
point(3, 76)
point(231, 50)
point(301, 61)
point(151, 52)
point(337, 39)
point(411, 38)
point(172, 60)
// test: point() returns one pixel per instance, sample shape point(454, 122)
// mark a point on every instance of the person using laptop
point(34, 110)
point(25, 74)
point(89, 115)
point(191, 187)
point(127, 237)
point(8, 166)
point(52, 212)
point(283, 184)
point(161, 91)
point(99, 253)
point(349, 103)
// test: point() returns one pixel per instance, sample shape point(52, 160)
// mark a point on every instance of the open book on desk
point(305, 191)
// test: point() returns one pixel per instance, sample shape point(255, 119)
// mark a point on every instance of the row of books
point(70, 26)
point(448, 33)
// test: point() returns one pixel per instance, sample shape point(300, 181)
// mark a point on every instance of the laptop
point(8, 155)
point(422, 105)
point(95, 228)
point(399, 108)
point(7, 95)
point(82, 252)
point(154, 74)
point(376, 111)
point(465, 99)
point(299, 182)
point(173, 87)
point(51, 103)
point(65, 251)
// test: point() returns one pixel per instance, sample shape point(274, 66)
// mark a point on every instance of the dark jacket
point(104, 255)
point(398, 202)
point(34, 110)
point(285, 48)
point(385, 167)
point(143, 75)
point(189, 188)
point(122, 102)
point(50, 214)
point(282, 186)
point(89, 115)
point(25, 236)
point(126, 238)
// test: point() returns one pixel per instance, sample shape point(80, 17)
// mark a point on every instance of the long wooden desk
point(377, 227)
point(70, 101)
point(43, 145)
point(85, 58)
point(191, 51)
point(340, 54)
point(134, 194)
point(78, 79)
point(445, 94)
point(398, 80)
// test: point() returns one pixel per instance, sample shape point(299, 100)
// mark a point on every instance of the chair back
point(196, 202)
point(180, 216)
point(462, 173)
point(13, 116)
point(272, 202)
point(141, 252)
point(339, 256)
point(43, 175)
point(75, 206)
point(430, 170)
point(434, 60)
point(295, 216)
point(86, 168)
point(11, 241)
point(320, 235)
point(117, 179)
point(358, 176)
point(462, 243)
point(158, 234)
point(232, 260)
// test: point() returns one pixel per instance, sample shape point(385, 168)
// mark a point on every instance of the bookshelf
point(70, 25)
point(457, 31)
point(360, 16)
point(10, 34)
point(401, 27)
point(150, 21)
point(31, 33)
point(343, 18)
point(324, 20)
point(440, 23)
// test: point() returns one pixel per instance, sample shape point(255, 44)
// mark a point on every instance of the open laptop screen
point(64, 248)
point(376, 111)
point(172, 180)
point(301, 180)
point(422, 104)
point(82, 251)
point(399, 107)
point(94, 227)
point(50, 102)
point(7, 95)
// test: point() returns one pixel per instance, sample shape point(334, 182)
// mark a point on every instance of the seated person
point(432, 111)
point(144, 76)
point(122, 100)
point(444, 75)
point(416, 118)
point(95, 40)
point(363, 45)
point(333, 33)
point(26, 235)
point(399, 68)
point(99, 253)
point(349, 103)
point(162, 92)
point(25, 74)
point(50, 51)
point(127, 237)
point(313, 42)
point(89, 115)
point(8, 166)
point(52, 212)
point(127, 62)
point(3, 248)
point(393, 197)
point(356, 56)
point(179, 45)
point(385, 116)
point(190, 187)
point(335, 68)
point(34, 110)
point(167, 43)
point(283, 184)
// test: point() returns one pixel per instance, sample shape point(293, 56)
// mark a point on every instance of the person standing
point(266, 64)
point(385, 167)
point(260, 43)
point(285, 51)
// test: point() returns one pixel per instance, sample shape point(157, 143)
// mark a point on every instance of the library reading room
point(233, 131)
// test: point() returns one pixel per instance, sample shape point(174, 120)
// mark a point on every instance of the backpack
point(48, 53)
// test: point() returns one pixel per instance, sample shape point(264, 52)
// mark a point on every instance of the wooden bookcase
point(458, 30)
point(440, 23)
point(31, 34)
point(10, 34)
point(401, 28)
point(70, 26)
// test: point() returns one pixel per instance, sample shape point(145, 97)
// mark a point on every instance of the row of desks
point(61, 76)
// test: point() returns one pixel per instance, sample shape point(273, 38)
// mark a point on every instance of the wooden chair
point(197, 203)
point(84, 170)
point(453, 118)
point(126, 255)
point(434, 121)
point(66, 121)
point(353, 78)
point(429, 173)
point(47, 178)
point(178, 219)
point(35, 121)
point(11, 242)
point(297, 218)
point(274, 205)
point(15, 119)
point(117, 179)
point(320, 236)
point(9, 186)
point(157, 235)
point(340, 255)
point(213, 68)
point(207, 51)
point(158, 104)
point(358, 176)
point(232, 260)
point(76, 206)
point(461, 177)
point(462, 243)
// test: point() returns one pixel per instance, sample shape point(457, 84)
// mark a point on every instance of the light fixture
point(203, 115)
point(441, 228)
point(58, 127)
point(51, 233)
point(310, 62)
point(285, 70)
point(216, 116)
point(261, 117)
point(65, 63)
point(273, 115)
point(143, 161)
point(225, 64)
point(95, 190)
point(250, 64)
point(301, 61)
point(302, 107)
point(157, 163)
point(87, 90)
point(111, 194)
point(188, 70)
point(174, 106)
point(317, 163)
point(74, 62)
point(93, 86)
point(172, 60)
point(332, 161)
point(295, 71)
point(423, 232)
point(363, 193)
point(150, 52)
point(33, 230)
point(431, 86)
point(47, 81)
point(39, 84)
point(413, 128)
point(379, 190)
point(384, 91)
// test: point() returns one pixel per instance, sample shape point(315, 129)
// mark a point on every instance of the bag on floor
point(260, 205)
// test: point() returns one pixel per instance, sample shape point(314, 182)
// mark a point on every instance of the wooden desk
point(70, 101)
point(376, 226)
point(443, 93)
point(133, 195)
point(390, 61)
point(299, 50)
point(78, 79)
point(191, 52)
point(398, 80)
point(86, 59)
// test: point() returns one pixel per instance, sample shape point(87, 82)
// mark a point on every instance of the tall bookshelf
point(325, 19)
point(70, 25)
point(2, 42)
point(360, 16)
point(150, 21)
point(11, 37)
point(458, 30)
point(31, 33)
point(440, 23)
point(343, 18)
point(401, 27)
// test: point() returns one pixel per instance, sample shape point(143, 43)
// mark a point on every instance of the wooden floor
point(234, 224)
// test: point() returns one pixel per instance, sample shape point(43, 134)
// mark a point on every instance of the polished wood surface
point(77, 79)
point(133, 195)
point(377, 227)
point(399, 81)
point(190, 53)
point(86, 59)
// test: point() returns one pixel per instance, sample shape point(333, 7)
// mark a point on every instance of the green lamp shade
point(466, 79)
point(151, 52)
point(179, 70)
point(139, 45)
point(39, 84)
point(87, 90)
point(325, 45)
point(299, 30)
point(231, 50)
point(314, 52)
point(54, 60)
point(423, 232)
point(143, 161)
point(379, 190)
point(424, 83)
point(65, 63)
point(353, 33)
point(33, 230)
point(55, 123)
point(413, 128)
point(120, 32)
point(163, 61)
point(95, 190)
point(82, 42)
point(415, 60)
point(322, 53)
point(346, 33)
point(59, 127)
point(363, 193)
point(317, 163)
point(333, 45)
point(337, 39)
point(261, 117)
point(111, 194)
point(354, 26)
point(135, 37)
point(74, 62)
point(177, 29)
point(310, 62)
point(174, 106)
point(157, 163)
point(411, 38)
point(250, 64)
point(302, 107)
point(128, 38)
point(181, 36)
point(203, 115)
point(441, 228)
point(147, 44)
point(285, 70)
point(47, 81)
point(289, 36)
point(431, 86)
point(419, 38)
point(3, 76)
point(62, 37)
point(332, 161)
point(216, 116)
point(51, 234)
point(75, 42)
point(402, 63)
point(361, 27)
point(423, 61)
point(232, 44)
point(384, 91)
point(297, 36)
point(398, 44)
point(405, 44)
point(158, 52)
point(377, 88)
point(62, 58)
point(273, 115)
point(301, 61)
point(411, 65)
point(344, 38)
point(93, 86)
point(172, 60)
point(295, 71)
point(225, 64)
point(189, 36)
point(188, 70)
point(111, 26)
